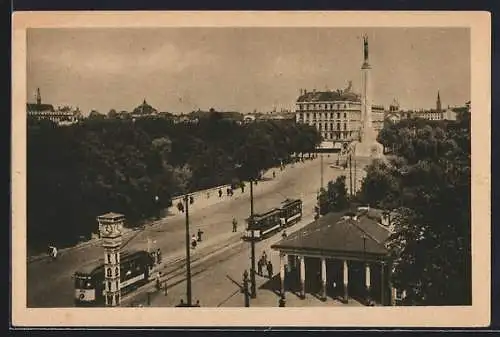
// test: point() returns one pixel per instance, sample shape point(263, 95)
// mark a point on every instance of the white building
point(335, 114)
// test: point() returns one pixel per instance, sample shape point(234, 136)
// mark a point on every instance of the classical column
point(302, 277)
point(323, 279)
point(392, 300)
point(346, 282)
point(282, 274)
point(368, 282)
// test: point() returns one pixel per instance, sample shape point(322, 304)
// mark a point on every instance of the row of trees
point(427, 180)
point(136, 167)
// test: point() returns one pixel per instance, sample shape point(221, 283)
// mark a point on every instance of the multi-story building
point(335, 114)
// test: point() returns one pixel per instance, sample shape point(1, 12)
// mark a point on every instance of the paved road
point(50, 284)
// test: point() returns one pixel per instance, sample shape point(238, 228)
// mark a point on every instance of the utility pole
point(188, 256)
point(321, 170)
point(350, 173)
point(253, 290)
point(355, 178)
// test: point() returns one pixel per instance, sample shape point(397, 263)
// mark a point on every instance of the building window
point(345, 115)
point(307, 115)
point(331, 126)
point(338, 126)
point(345, 126)
point(320, 126)
point(338, 115)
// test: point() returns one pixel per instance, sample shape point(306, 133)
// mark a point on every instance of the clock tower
point(110, 227)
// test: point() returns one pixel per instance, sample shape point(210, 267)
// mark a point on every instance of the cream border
point(476, 315)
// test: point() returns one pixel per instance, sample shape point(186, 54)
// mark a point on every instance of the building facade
point(335, 114)
point(61, 116)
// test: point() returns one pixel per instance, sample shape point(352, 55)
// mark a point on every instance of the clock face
point(108, 228)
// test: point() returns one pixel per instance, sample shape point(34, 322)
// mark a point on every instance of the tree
point(335, 197)
point(112, 113)
point(429, 184)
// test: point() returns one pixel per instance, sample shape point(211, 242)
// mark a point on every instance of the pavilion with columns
point(340, 256)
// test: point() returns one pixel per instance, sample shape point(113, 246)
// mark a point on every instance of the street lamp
point(188, 255)
point(253, 290)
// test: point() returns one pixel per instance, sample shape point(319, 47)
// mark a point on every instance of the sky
point(242, 69)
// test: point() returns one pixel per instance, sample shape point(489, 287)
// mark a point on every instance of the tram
point(291, 211)
point(90, 284)
point(265, 224)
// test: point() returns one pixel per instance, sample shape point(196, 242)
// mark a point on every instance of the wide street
point(50, 283)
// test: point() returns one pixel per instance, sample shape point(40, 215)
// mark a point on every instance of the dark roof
point(327, 96)
point(39, 107)
point(333, 233)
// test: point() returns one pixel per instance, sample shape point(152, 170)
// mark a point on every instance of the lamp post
point(252, 245)
point(188, 255)
point(245, 289)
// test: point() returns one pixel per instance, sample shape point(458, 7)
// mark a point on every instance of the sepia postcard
point(245, 169)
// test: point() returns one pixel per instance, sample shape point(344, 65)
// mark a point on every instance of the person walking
point(270, 269)
point(259, 267)
point(200, 232)
point(53, 252)
point(264, 257)
point(220, 193)
point(274, 174)
point(284, 235)
point(158, 256)
point(193, 241)
point(235, 225)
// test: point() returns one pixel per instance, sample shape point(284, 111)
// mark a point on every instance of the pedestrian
point(220, 193)
point(235, 225)
point(200, 232)
point(259, 267)
point(264, 257)
point(158, 256)
point(284, 235)
point(180, 207)
point(53, 252)
point(191, 200)
point(282, 301)
point(158, 284)
point(270, 269)
point(197, 303)
point(274, 174)
point(193, 241)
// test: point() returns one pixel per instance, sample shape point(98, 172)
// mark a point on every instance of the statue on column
point(365, 49)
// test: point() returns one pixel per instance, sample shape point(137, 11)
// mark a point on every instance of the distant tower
point(438, 103)
point(38, 96)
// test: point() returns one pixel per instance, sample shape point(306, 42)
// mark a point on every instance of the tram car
point(291, 211)
point(135, 269)
point(274, 220)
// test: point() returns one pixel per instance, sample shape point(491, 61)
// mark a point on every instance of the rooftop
point(329, 96)
point(336, 233)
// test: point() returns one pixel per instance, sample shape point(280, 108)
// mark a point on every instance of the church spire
point(38, 96)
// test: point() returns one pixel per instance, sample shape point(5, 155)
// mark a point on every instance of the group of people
point(263, 262)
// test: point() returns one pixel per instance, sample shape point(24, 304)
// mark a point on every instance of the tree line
point(78, 172)
point(427, 181)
